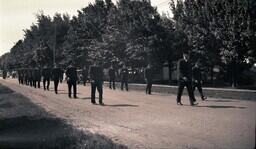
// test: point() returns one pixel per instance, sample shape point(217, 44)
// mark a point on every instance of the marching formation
point(188, 76)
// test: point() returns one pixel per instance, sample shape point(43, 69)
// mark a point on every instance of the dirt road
point(151, 121)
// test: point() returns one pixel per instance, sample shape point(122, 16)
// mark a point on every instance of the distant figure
point(184, 70)
point(62, 75)
point(19, 75)
point(4, 74)
point(148, 74)
point(84, 75)
point(26, 76)
point(112, 77)
point(124, 78)
point(30, 77)
point(197, 80)
point(72, 78)
point(36, 77)
point(56, 75)
point(96, 76)
point(46, 73)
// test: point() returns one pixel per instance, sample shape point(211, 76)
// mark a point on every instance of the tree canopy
point(216, 32)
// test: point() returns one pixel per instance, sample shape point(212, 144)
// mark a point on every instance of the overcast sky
point(16, 15)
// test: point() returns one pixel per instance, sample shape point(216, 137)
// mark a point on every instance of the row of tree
point(218, 32)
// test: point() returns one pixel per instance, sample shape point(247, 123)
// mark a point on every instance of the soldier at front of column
point(148, 74)
point(197, 80)
point(72, 78)
point(96, 76)
point(124, 77)
point(184, 70)
point(56, 75)
point(46, 73)
point(112, 77)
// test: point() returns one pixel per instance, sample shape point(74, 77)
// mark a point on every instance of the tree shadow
point(215, 107)
point(121, 105)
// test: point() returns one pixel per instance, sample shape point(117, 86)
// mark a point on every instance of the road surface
point(151, 121)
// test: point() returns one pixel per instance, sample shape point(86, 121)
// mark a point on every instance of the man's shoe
point(204, 98)
point(179, 103)
point(102, 104)
point(194, 104)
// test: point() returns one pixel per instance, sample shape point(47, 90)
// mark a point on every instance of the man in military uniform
point(96, 76)
point(25, 72)
point(30, 76)
point(184, 70)
point(46, 73)
point(197, 80)
point(19, 75)
point(148, 74)
point(34, 77)
point(112, 77)
point(124, 77)
point(61, 74)
point(84, 75)
point(4, 74)
point(37, 77)
point(72, 78)
point(56, 74)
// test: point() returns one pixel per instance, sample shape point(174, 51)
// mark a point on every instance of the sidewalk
point(208, 91)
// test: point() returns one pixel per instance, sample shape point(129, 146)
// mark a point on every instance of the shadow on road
point(215, 107)
point(220, 100)
point(86, 98)
point(67, 93)
point(121, 105)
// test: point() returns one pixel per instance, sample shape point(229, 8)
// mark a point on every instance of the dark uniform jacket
point(184, 69)
point(96, 73)
point(30, 74)
point(56, 73)
point(124, 73)
point(112, 74)
point(36, 74)
point(148, 74)
point(71, 73)
point(46, 73)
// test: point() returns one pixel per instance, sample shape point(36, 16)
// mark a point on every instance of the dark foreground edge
point(35, 128)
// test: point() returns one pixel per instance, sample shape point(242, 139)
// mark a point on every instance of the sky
point(17, 15)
